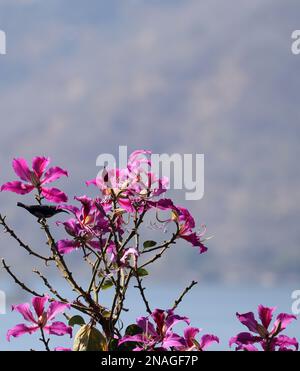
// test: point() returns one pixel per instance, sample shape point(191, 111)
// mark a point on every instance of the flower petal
point(194, 239)
point(266, 315)
point(163, 204)
point(72, 227)
point(131, 252)
point(53, 174)
point(39, 304)
point(62, 349)
point(92, 181)
point(21, 169)
point(136, 159)
point(162, 187)
point(19, 330)
point(126, 204)
point(59, 329)
point(24, 309)
point(248, 320)
point(282, 321)
point(137, 153)
point(244, 338)
point(67, 246)
point(54, 195)
point(247, 348)
point(207, 339)
point(139, 338)
point(146, 326)
point(17, 187)
point(285, 342)
point(159, 317)
point(94, 244)
point(189, 334)
point(39, 165)
point(173, 340)
point(56, 308)
point(173, 319)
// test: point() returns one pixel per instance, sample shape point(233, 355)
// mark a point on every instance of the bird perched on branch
point(42, 211)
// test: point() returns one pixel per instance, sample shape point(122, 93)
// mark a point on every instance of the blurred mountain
point(212, 77)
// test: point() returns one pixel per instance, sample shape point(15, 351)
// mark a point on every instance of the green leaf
point(141, 272)
point(76, 320)
point(148, 244)
point(101, 273)
point(107, 284)
point(133, 330)
point(89, 339)
point(113, 345)
point(106, 314)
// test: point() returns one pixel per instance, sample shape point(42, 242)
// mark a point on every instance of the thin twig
point(18, 282)
point(142, 291)
point(186, 290)
point(44, 341)
point(7, 229)
point(166, 243)
point(48, 285)
point(68, 276)
point(80, 308)
point(164, 247)
point(121, 305)
point(140, 281)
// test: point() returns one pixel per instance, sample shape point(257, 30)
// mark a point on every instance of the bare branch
point(80, 308)
point(68, 276)
point(7, 229)
point(48, 285)
point(186, 290)
point(44, 341)
point(18, 282)
point(142, 292)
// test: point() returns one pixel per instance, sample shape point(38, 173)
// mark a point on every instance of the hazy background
point(186, 76)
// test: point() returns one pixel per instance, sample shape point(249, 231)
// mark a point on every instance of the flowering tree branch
point(105, 235)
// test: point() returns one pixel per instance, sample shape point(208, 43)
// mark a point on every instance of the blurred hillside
point(212, 77)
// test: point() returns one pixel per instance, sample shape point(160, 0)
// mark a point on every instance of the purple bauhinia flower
point(185, 223)
point(86, 228)
point(260, 334)
point(186, 226)
point(191, 343)
point(132, 186)
point(36, 178)
point(159, 335)
point(42, 319)
point(124, 257)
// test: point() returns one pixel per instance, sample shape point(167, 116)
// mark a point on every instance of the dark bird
point(42, 211)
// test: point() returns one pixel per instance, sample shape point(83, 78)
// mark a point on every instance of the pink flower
point(270, 340)
point(86, 228)
point(42, 319)
point(186, 225)
point(132, 186)
point(36, 179)
point(62, 349)
point(125, 256)
point(185, 222)
point(129, 253)
point(190, 334)
point(160, 335)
